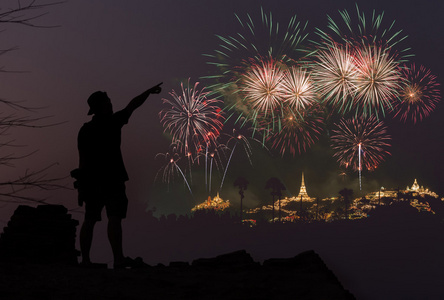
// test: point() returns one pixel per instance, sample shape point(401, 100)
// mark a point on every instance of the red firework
point(419, 96)
point(297, 131)
point(193, 120)
point(360, 142)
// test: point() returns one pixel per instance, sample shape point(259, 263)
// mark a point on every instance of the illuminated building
point(415, 189)
point(303, 195)
point(383, 192)
point(303, 207)
point(217, 203)
point(287, 202)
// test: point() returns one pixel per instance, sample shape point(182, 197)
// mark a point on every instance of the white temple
point(302, 192)
point(420, 190)
point(303, 195)
point(217, 203)
point(415, 189)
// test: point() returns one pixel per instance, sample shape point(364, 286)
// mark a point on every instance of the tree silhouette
point(11, 189)
point(276, 190)
point(22, 13)
point(346, 194)
point(242, 183)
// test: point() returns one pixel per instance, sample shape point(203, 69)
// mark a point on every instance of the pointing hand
point(156, 89)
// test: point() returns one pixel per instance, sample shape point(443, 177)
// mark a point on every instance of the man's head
point(99, 103)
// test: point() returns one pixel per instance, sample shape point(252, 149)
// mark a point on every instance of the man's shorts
point(112, 196)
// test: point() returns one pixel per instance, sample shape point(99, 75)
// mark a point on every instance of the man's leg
point(86, 236)
point(115, 238)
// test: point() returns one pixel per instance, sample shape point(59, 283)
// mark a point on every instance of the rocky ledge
point(228, 276)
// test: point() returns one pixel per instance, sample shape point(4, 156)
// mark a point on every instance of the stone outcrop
point(42, 234)
point(235, 259)
point(38, 258)
point(228, 276)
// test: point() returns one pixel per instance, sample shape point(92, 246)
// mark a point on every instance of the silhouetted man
point(101, 174)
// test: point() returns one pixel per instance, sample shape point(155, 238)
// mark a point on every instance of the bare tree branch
point(18, 190)
point(22, 14)
point(12, 190)
point(25, 121)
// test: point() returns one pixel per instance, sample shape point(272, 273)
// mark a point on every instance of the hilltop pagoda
point(303, 192)
point(288, 203)
point(415, 187)
point(217, 203)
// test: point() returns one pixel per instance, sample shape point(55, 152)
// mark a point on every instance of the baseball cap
point(96, 100)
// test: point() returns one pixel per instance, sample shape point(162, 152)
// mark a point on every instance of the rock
point(305, 259)
point(234, 259)
point(312, 279)
point(179, 264)
point(304, 276)
point(42, 234)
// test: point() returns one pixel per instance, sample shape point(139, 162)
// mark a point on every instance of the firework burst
point(363, 30)
point(271, 89)
point(262, 87)
point(360, 143)
point(419, 96)
point(298, 131)
point(374, 48)
point(335, 75)
point(378, 80)
point(297, 89)
point(258, 39)
point(192, 118)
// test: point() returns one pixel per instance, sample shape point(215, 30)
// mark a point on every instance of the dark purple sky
point(124, 47)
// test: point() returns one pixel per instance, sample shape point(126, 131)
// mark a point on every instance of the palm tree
point(242, 183)
point(346, 194)
point(276, 190)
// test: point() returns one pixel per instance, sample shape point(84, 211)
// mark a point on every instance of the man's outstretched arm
point(139, 100)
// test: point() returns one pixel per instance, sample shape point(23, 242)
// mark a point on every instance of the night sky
point(125, 47)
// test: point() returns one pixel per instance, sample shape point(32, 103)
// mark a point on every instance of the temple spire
point(415, 186)
point(303, 190)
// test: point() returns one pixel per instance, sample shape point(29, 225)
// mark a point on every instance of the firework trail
point(239, 136)
point(212, 155)
point(298, 131)
point(170, 168)
point(191, 118)
point(257, 38)
point(419, 96)
point(362, 30)
point(360, 142)
point(360, 165)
